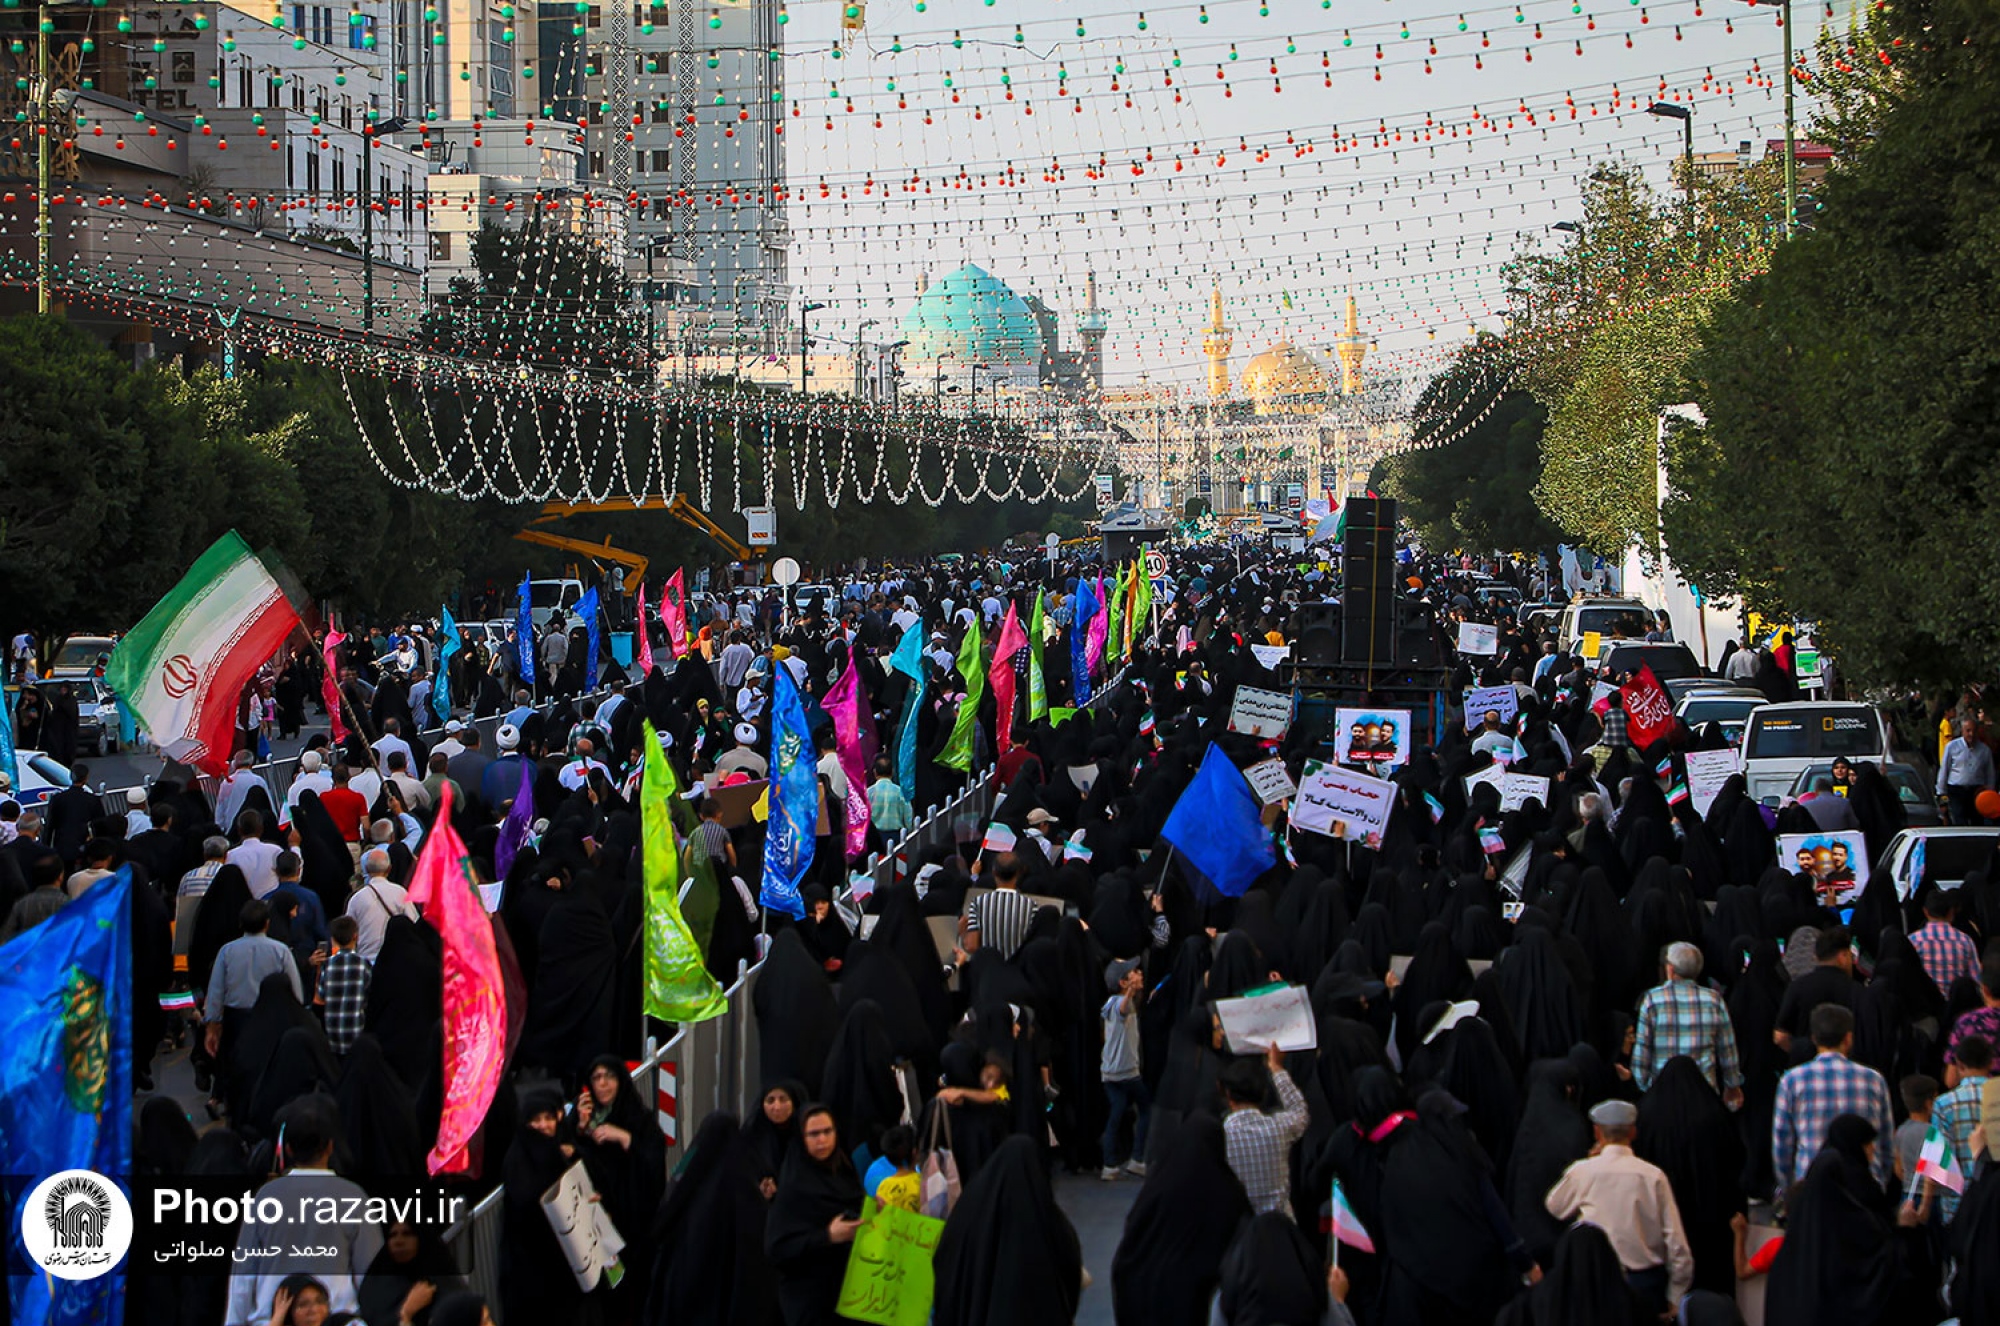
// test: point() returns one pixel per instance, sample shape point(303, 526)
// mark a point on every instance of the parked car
point(1950, 854)
point(1535, 618)
point(1919, 806)
point(1611, 620)
point(1728, 708)
point(80, 656)
point(96, 710)
point(1781, 740)
point(41, 778)
point(1496, 597)
point(1668, 661)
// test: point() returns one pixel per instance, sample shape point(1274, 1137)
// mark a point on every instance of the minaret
point(1352, 348)
point(1216, 346)
point(1091, 326)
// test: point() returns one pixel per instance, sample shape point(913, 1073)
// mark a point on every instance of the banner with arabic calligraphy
point(889, 1280)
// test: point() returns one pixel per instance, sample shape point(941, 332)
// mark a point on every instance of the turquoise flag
point(441, 685)
point(587, 608)
point(909, 660)
point(10, 763)
point(66, 1088)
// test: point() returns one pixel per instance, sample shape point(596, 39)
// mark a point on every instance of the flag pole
point(1333, 1231)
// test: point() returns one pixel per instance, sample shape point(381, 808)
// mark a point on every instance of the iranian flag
point(1938, 1163)
point(183, 668)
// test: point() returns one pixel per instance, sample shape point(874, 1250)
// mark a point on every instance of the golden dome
point(1285, 375)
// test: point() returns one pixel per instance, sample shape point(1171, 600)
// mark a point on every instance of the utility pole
point(805, 307)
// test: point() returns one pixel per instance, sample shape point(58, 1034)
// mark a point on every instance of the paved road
point(1097, 1209)
point(130, 768)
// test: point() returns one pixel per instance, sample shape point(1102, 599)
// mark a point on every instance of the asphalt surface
point(1097, 1209)
point(134, 768)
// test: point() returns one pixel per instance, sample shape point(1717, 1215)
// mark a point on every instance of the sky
point(1401, 152)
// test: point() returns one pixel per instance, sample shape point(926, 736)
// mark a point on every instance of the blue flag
point(1079, 627)
point(587, 605)
point(524, 634)
point(909, 660)
point(1218, 828)
point(909, 656)
point(66, 1077)
point(441, 685)
point(794, 797)
point(10, 763)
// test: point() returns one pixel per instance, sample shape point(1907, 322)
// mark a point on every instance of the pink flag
point(1100, 629)
point(329, 686)
point(475, 996)
point(645, 641)
point(673, 613)
point(854, 727)
point(1012, 641)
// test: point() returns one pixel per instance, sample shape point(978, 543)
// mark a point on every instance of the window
point(312, 171)
point(246, 95)
point(663, 163)
point(291, 170)
point(339, 175)
point(597, 16)
point(661, 111)
point(440, 246)
point(597, 165)
point(356, 32)
point(271, 86)
point(298, 96)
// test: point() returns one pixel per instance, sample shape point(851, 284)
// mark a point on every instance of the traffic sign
point(1156, 565)
point(785, 571)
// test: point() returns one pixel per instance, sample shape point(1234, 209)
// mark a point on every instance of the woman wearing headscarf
point(570, 1005)
point(1177, 1231)
point(811, 1226)
point(1008, 1255)
point(1973, 1240)
point(772, 1133)
point(711, 1269)
point(1437, 973)
point(823, 928)
point(1585, 1284)
point(797, 1015)
point(617, 1136)
point(860, 1084)
point(1552, 1135)
point(1539, 994)
point(873, 975)
point(166, 1138)
point(900, 929)
point(412, 1255)
point(406, 1005)
point(1685, 1129)
point(328, 865)
point(376, 1112)
point(1272, 1276)
point(1841, 1263)
point(535, 1280)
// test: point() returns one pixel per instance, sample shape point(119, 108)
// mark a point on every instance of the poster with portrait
point(1837, 863)
point(1377, 740)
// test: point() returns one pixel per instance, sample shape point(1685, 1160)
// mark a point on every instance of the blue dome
point(971, 316)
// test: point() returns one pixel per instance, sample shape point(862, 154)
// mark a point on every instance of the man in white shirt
point(451, 747)
point(375, 902)
point(230, 795)
point(735, 661)
point(313, 776)
point(420, 697)
point(391, 743)
point(577, 771)
point(415, 795)
point(257, 859)
point(1632, 1202)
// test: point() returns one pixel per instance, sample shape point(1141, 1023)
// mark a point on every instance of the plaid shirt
point(1979, 1022)
point(1812, 1096)
point(1260, 1147)
point(1947, 952)
point(1614, 730)
point(1955, 1115)
point(1681, 1017)
point(343, 984)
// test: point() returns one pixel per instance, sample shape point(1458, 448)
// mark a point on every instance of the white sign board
point(1343, 804)
point(1495, 774)
point(763, 523)
point(785, 572)
point(589, 1240)
point(1104, 493)
point(1283, 1018)
point(1516, 790)
point(1478, 638)
point(1261, 713)
point(1270, 782)
point(1707, 771)
point(1503, 700)
point(1271, 655)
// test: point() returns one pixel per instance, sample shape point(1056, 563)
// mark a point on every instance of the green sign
point(889, 1270)
point(1808, 664)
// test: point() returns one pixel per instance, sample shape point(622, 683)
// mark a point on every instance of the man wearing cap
point(137, 821)
point(1124, 1085)
point(1632, 1202)
point(451, 747)
point(1044, 833)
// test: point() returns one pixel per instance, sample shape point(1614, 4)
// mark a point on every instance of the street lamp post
point(937, 382)
point(368, 131)
point(872, 322)
point(805, 307)
point(1791, 123)
point(1582, 288)
point(1667, 110)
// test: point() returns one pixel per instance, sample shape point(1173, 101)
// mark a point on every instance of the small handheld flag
point(1337, 1218)
point(1938, 1163)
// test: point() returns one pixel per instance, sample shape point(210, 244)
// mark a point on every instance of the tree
point(1473, 488)
point(1849, 469)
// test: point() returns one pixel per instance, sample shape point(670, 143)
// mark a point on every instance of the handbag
point(940, 1190)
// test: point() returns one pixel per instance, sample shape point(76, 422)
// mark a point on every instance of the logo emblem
point(179, 676)
point(77, 1225)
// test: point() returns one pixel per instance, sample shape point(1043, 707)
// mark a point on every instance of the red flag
point(1012, 641)
point(475, 995)
point(1649, 711)
point(645, 640)
point(673, 613)
point(329, 685)
point(854, 733)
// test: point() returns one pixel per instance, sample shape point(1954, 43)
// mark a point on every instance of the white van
point(1780, 740)
point(1608, 619)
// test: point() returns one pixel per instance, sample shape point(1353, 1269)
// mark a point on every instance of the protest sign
point(1271, 655)
point(1707, 771)
point(1478, 638)
point(1516, 789)
point(1837, 863)
point(1270, 782)
point(590, 1242)
point(1503, 700)
point(1495, 774)
point(1649, 710)
point(1261, 713)
point(889, 1275)
point(1281, 1017)
point(1342, 804)
point(1593, 644)
point(1373, 739)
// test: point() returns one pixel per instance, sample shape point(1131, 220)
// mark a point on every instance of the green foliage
point(1849, 470)
point(1474, 490)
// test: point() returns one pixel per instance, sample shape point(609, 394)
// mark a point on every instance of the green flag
point(678, 986)
point(1114, 640)
point(1038, 689)
point(958, 751)
point(1142, 602)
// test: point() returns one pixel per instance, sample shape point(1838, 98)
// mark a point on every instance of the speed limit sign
point(1156, 566)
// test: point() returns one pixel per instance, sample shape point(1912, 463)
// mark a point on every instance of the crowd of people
point(1597, 1058)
